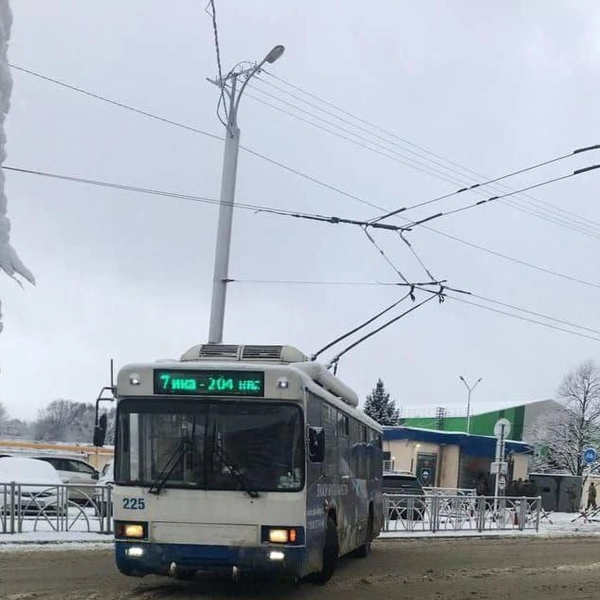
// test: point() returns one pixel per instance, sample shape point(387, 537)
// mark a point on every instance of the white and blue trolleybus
point(242, 458)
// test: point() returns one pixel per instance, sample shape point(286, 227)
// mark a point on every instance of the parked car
point(38, 486)
point(406, 484)
point(100, 494)
point(73, 471)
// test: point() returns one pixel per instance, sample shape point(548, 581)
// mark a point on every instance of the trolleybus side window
point(343, 443)
point(330, 464)
point(316, 435)
point(358, 450)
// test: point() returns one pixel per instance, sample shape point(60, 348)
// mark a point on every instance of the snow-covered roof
point(473, 445)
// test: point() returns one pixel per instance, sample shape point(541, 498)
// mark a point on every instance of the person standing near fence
point(591, 497)
point(511, 489)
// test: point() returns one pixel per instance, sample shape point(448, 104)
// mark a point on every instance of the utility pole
point(499, 466)
point(231, 99)
point(470, 389)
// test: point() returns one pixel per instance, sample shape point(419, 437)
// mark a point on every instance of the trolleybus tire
point(330, 554)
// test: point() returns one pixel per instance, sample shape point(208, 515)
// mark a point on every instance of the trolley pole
point(231, 99)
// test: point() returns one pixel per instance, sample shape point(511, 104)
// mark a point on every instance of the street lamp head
point(275, 53)
point(461, 378)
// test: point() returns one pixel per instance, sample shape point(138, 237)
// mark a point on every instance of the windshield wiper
point(164, 475)
point(226, 462)
point(185, 445)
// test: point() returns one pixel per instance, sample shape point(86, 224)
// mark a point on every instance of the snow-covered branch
point(10, 262)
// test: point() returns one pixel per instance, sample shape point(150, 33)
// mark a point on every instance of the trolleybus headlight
point(282, 535)
point(135, 551)
point(278, 536)
point(124, 530)
point(275, 555)
point(134, 379)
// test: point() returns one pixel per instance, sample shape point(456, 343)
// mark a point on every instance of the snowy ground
point(54, 540)
point(84, 531)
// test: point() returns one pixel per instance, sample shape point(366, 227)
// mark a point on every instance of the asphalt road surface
point(522, 568)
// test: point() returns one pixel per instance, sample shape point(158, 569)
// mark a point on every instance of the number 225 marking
point(134, 503)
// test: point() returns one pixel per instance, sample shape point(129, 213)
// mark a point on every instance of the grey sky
point(492, 86)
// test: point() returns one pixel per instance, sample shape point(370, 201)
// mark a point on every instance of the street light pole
point(231, 98)
point(470, 389)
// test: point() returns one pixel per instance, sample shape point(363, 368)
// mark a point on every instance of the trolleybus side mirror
point(100, 431)
point(316, 444)
point(100, 421)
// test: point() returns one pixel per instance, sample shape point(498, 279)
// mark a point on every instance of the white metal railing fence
point(440, 491)
point(65, 507)
point(438, 512)
point(77, 507)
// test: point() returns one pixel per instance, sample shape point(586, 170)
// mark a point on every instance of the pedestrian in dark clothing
point(528, 489)
point(591, 497)
point(519, 487)
point(511, 489)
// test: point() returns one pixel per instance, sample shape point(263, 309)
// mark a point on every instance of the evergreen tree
point(380, 407)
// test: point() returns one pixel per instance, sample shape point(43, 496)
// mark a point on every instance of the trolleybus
point(242, 458)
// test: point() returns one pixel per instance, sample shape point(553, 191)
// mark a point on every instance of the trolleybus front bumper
point(139, 559)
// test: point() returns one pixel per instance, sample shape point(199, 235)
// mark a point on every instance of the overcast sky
point(490, 86)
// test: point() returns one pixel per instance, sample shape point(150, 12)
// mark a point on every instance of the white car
point(73, 471)
point(37, 486)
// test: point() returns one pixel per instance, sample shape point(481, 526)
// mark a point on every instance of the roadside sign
point(590, 455)
point(502, 428)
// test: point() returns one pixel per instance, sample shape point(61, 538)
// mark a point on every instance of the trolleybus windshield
point(216, 445)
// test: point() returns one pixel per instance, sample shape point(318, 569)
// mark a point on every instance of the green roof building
point(522, 417)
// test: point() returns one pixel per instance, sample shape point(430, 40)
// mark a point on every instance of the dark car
point(406, 484)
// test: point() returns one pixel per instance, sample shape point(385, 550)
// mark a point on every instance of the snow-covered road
point(440, 569)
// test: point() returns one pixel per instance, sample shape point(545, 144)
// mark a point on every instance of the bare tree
point(65, 421)
point(562, 436)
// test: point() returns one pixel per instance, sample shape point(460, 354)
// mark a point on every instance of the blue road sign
point(590, 455)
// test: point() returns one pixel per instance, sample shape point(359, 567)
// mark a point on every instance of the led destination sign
point(224, 383)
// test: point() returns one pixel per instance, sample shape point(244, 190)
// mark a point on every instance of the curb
point(487, 536)
point(512, 536)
